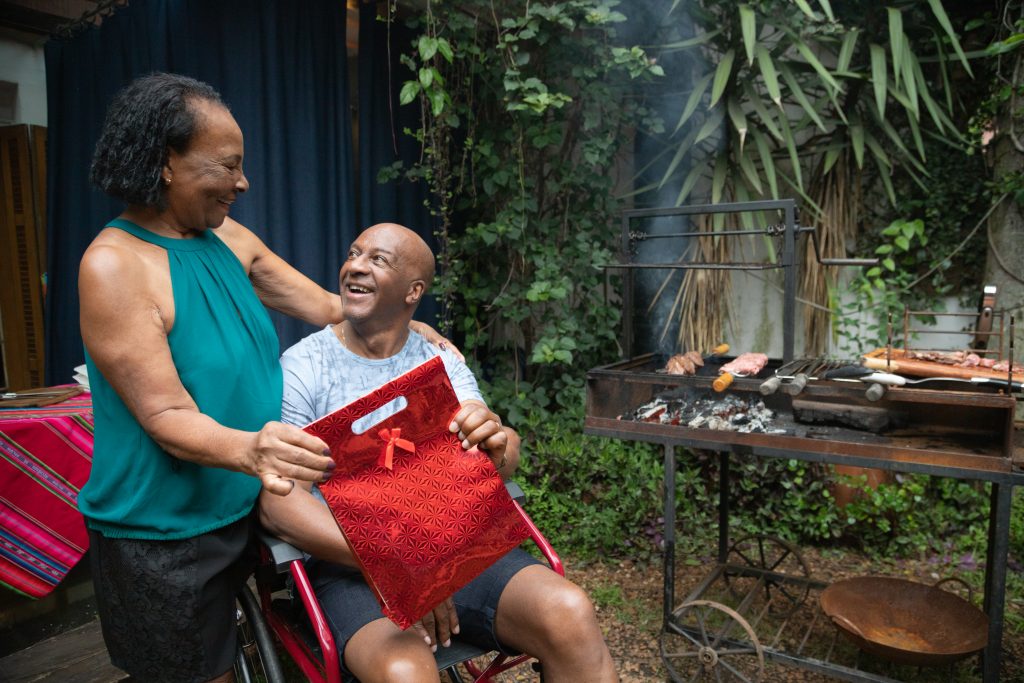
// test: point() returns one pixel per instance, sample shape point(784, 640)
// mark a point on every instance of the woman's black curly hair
point(150, 116)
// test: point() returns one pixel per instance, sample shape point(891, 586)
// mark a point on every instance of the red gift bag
point(422, 515)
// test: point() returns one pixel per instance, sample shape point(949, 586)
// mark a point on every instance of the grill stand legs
point(997, 555)
point(995, 577)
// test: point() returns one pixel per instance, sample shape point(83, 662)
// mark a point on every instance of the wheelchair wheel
point(256, 660)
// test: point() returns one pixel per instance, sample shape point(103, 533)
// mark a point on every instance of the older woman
point(183, 365)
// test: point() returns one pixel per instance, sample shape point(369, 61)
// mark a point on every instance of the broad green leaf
point(445, 48)
point(699, 88)
point(857, 140)
point(711, 125)
point(816, 64)
point(436, 98)
point(767, 119)
point(794, 157)
point(826, 6)
point(846, 50)
point(748, 25)
point(750, 171)
point(718, 179)
point(943, 19)
point(889, 264)
point(427, 48)
point(896, 41)
point(410, 89)
point(426, 77)
point(798, 94)
point(879, 77)
point(739, 119)
point(691, 179)
point(722, 73)
point(767, 162)
point(805, 8)
point(771, 78)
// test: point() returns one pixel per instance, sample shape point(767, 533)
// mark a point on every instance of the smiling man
point(516, 605)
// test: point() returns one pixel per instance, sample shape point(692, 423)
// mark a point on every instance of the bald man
point(516, 605)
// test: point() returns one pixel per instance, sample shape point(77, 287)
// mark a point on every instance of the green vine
point(526, 110)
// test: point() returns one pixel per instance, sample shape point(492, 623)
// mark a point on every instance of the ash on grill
point(729, 413)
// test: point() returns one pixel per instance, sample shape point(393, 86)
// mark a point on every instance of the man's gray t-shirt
point(321, 375)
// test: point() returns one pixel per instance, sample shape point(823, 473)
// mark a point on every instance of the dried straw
point(700, 300)
point(837, 192)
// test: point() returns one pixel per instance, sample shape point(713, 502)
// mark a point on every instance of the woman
point(183, 365)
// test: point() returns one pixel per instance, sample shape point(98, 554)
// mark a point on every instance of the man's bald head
point(415, 257)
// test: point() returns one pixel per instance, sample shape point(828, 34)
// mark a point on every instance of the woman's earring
point(167, 181)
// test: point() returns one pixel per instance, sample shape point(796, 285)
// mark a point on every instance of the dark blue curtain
point(280, 66)
point(382, 141)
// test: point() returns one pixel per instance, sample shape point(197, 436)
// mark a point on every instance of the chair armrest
point(516, 492)
point(281, 552)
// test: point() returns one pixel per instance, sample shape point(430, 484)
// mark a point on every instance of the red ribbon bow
point(392, 436)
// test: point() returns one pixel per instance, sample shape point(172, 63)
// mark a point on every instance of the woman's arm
point(279, 285)
point(283, 288)
point(125, 331)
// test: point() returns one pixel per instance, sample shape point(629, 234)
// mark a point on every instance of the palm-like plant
point(790, 99)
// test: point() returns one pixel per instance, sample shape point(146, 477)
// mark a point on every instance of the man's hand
point(439, 625)
point(478, 426)
point(281, 453)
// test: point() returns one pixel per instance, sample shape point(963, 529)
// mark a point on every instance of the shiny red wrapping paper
point(430, 523)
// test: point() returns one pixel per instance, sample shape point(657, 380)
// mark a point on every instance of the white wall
point(23, 63)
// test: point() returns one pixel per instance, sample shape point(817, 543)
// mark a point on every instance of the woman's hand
point(280, 453)
point(439, 625)
point(435, 338)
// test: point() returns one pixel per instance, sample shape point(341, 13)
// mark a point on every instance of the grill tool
point(793, 376)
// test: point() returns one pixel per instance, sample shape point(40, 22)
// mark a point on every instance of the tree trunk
point(1004, 264)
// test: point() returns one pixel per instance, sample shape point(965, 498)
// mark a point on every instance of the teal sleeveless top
point(226, 352)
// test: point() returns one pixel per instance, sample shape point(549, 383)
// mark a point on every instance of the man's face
point(375, 278)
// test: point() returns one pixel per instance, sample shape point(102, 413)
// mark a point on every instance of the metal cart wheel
point(256, 660)
point(770, 565)
point(707, 641)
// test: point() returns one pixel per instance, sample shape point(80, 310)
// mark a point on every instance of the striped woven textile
point(45, 458)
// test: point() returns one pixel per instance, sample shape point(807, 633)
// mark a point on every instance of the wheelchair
point(288, 612)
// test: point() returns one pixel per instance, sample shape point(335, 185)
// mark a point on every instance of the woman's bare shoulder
point(117, 264)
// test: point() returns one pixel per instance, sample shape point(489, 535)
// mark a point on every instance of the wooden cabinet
point(22, 254)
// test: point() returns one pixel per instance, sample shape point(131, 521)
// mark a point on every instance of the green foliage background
point(528, 109)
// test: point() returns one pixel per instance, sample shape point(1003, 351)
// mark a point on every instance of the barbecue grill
point(965, 432)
